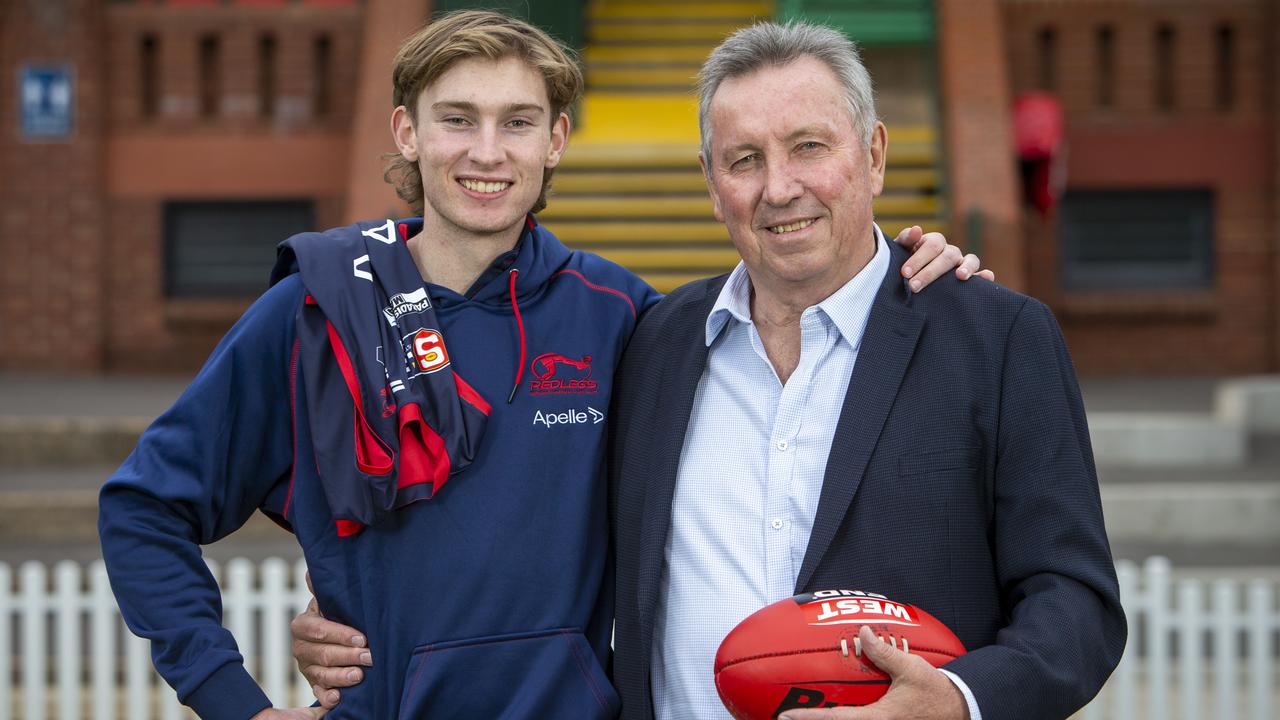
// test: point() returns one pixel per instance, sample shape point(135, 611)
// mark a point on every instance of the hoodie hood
point(536, 257)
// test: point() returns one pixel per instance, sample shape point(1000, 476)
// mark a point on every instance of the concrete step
point(53, 516)
point(1240, 435)
point(1168, 439)
point(1253, 402)
point(60, 505)
point(27, 442)
point(1208, 513)
point(1204, 423)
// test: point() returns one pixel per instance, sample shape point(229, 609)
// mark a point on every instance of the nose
point(781, 185)
point(486, 148)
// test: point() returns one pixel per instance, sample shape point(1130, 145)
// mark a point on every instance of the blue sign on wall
point(45, 99)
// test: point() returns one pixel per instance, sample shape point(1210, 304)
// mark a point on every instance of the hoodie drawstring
point(519, 323)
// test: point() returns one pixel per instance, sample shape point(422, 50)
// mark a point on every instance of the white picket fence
point(74, 658)
point(1197, 649)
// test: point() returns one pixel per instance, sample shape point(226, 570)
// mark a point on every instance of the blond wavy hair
point(454, 36)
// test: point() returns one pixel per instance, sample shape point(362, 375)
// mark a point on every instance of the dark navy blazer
point(961, 480)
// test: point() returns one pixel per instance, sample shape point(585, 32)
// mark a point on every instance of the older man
point(824, 375)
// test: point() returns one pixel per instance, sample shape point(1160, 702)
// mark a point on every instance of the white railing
point(1196, 649)
point(75, 659)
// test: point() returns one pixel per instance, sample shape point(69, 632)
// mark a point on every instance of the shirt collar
point(848, 308)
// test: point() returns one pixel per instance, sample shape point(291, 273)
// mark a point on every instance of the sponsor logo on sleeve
point(406, 303)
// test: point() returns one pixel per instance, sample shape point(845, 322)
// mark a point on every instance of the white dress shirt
point(750, 476)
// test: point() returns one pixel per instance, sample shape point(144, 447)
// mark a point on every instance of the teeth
point(779, 229)
point(485, 187)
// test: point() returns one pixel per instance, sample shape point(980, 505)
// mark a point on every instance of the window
point(267, 76)
point(210, 76)
point(1106, 69)
point(322, 58)
point(1225, 67)
point(226, 249)
point(1047, 50)
point(1166, 73)
point(1137, 240)
point(149, 75)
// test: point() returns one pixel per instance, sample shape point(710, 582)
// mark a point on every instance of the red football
point(804, 652)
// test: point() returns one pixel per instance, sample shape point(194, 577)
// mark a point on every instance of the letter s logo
point(428, 351)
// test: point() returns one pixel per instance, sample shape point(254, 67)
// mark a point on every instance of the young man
point(421, 402)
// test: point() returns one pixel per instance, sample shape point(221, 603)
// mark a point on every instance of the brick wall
point(976, 120)
point(1272, 45)
point(51, 202)
point(81, 221)
point(1137, 142)
point(241, 152)
point(386, 25)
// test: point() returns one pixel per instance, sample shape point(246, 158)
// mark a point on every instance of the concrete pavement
point(1180, 475)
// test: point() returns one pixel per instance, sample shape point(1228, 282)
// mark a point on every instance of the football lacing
point(857, 645)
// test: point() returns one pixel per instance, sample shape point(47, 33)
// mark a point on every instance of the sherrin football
point(805, 652)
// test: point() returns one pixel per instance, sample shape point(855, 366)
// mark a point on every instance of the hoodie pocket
point(543, 674)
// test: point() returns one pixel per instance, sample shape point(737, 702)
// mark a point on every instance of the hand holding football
point(805, 652)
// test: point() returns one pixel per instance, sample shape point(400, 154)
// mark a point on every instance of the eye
point(809, 146)
point(745, 161)
point(455, 120)
point(519, 123)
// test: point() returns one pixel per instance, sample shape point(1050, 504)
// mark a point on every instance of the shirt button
point(782, 445)
point(777, 524)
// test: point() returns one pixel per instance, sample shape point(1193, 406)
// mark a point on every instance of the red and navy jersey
point(491, 598)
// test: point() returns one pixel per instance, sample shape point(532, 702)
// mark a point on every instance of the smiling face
point(791, 179)
point(482, 135)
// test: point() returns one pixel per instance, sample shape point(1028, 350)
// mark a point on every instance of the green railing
point(561, 18)
point(869, 22)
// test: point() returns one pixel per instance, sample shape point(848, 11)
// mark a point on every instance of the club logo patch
point(424, 352)
point(556, 374)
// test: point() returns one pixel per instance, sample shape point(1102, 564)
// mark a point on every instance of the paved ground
point(37, 396)
point(53, 509)
point(25, 395)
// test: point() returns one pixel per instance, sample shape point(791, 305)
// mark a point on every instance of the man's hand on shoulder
point(918, 692)
point(932, 257)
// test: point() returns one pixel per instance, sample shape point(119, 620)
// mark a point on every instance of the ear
point(879, 153)
point(559, 139)
point(711, 187)
point(403, 132)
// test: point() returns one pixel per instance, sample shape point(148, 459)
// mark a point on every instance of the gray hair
point(769, 44)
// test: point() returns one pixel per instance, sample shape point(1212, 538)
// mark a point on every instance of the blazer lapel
point(680, 377)
point(887, 346)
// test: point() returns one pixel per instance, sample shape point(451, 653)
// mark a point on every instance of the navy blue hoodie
point(490, 599)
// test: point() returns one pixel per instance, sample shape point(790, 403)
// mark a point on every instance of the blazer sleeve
point(1064, 627)
point(198, 472)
